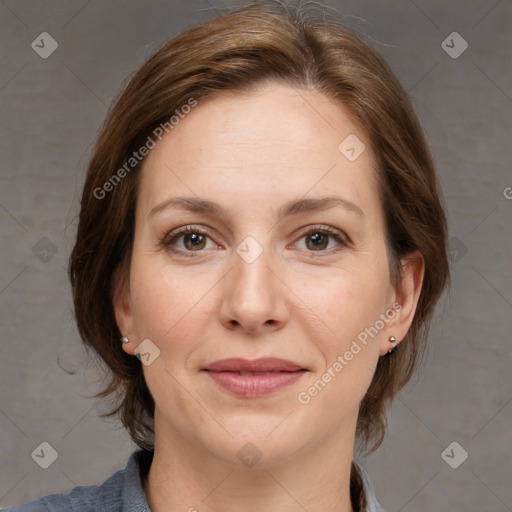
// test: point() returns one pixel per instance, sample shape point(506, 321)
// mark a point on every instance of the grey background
point(50, 112)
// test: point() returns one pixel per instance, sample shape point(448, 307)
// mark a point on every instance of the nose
point(254, 298)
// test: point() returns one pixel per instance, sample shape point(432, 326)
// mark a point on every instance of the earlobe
point(407, 293)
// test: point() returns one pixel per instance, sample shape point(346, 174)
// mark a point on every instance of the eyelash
point(167, 241)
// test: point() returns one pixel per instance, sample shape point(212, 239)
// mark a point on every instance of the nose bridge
point(253, 297)
point(252, 271)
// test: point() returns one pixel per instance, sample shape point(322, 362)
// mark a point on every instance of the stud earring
point(392, 339)
point(125, 339)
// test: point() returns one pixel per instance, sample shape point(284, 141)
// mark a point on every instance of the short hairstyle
point(263, 42)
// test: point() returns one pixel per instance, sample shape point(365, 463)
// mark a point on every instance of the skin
point(251, 153)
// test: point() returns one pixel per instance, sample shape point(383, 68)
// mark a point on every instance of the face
point(257, 263)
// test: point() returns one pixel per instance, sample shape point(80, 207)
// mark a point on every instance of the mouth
point(261, 365)
point(261, 373)
point(246, 378)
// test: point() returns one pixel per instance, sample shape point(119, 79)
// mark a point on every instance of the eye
point(323, 239)
point(193, 239)
point(186, 240)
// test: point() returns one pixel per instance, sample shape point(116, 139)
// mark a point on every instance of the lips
point(255, 378)
point(246, 366)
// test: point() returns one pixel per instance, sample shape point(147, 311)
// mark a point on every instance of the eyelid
point(323, 228)
point(188, 228)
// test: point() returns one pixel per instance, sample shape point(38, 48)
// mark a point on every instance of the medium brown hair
point(261, 42)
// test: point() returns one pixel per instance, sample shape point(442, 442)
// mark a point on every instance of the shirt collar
point(134, 498)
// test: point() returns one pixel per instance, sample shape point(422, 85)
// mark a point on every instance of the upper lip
point(264, 364)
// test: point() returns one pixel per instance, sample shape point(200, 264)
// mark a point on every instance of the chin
point(256, 444)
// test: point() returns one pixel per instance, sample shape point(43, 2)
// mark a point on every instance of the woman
point(260, 248)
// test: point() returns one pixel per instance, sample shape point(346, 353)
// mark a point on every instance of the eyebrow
point(294, 207)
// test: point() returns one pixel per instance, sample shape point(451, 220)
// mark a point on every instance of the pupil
point(195, 240)
point(318, 240)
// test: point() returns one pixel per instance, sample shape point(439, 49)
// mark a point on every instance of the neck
point(186, 477)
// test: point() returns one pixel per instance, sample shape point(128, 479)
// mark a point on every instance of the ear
point(123, 309)
point(406, 295)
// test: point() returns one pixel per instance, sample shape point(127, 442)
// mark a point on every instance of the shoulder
point(107, 497)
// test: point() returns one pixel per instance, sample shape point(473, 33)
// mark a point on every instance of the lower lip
point(255, 385)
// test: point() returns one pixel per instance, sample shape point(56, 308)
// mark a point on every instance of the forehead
point(266, 145)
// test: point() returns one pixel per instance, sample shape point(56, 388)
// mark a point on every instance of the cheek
point(158, 302)
point(350, 306)
point(169, 305)
point(349, 354)
point(351, 302)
